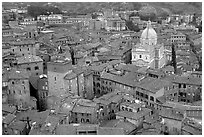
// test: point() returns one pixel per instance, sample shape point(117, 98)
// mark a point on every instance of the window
point(28, 69)
point(140, 56)
point(28, 49)
point(151, 98)
point(87, 120)
point(55, 78)
point(36, 68)
point(184, 85)
point(82, 120)
point(12, 82)
point(20, 49)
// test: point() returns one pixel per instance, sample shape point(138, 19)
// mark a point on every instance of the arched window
point(82, 120)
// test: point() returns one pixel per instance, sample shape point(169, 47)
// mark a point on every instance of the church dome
point(149, 32)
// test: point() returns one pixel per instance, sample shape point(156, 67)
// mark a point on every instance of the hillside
point(89, 7)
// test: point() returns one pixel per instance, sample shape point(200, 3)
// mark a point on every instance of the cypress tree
point(174, 58)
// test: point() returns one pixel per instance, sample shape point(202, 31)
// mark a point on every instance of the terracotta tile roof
point(152, 84)
point(67, 129)
point(119, 79)
point(191, 130)
point(188, 80)
point(19, 43)
point(50, 124)
point(169, 114)
point(110, 131)
point(84, 109)
point(29, 59)
point(8, 109)
point(181, 106)
point(133, 115)
point(9, 118)
point(118, 123)
point(18, 125)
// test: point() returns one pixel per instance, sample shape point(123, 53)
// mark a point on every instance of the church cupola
point(149, 35)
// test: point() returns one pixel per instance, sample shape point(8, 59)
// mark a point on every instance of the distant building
point(178, 37)
point(55, 19)
point(24, 48)
point(28, 22)
point(114, 24)
point(95, 24)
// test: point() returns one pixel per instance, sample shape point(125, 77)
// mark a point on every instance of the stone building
point(33, 64)
point(85, 111)
point(56, 71)
point(18, 88)
point(178, 37)
point(148, 52)
point(74, 81)
point(39, 89)
point(25, 48)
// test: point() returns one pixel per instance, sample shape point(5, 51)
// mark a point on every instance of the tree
point(136, 5)
point(174, 58)
point(148, 12)
point(71, 51)
point(35, 11)
point(151, 16)
point(131, 26)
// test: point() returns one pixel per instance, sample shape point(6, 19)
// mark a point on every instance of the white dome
point(149, 32)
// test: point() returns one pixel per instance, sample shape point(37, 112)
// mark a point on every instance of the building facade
point(56, 71)
point(25, 48)
point(18, 88)
point(33, 64)
point(148, 52)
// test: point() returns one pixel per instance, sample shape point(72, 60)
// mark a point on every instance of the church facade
point(148, 53)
